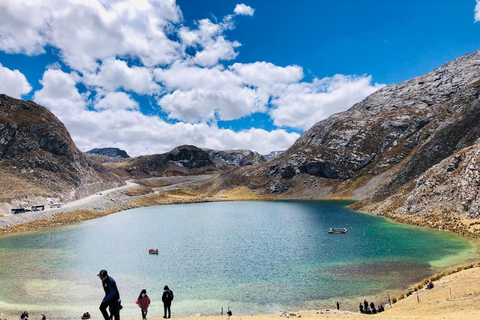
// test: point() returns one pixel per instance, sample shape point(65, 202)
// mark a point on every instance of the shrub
point(400, 297)
point(394, 300)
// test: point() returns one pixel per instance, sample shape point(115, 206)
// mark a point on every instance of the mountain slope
point(39, 160)
point(381, 144)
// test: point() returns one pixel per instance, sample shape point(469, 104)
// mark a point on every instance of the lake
point(253, 257)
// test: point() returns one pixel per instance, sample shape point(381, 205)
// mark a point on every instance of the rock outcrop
point(234, 158)
point(39, 160)
point(110, 152)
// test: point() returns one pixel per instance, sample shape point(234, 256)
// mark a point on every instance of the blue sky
point(149, 75)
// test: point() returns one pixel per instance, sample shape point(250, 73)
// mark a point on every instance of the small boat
point(337, 230)
point(153, 251)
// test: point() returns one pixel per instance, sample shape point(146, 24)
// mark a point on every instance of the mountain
point(234, 158)
point(110, 152)
point(39, 160)
point(272, 155)
point(186, 160)
point(382, 144)
point(107, 155)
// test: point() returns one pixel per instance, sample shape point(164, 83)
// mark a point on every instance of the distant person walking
point(112, 296)
point(143, 302)
point(167, 298)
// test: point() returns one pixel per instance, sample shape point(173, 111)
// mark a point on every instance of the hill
point(39, 161)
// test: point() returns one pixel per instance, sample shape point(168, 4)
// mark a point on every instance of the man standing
point(167, 301)
point(112, 296)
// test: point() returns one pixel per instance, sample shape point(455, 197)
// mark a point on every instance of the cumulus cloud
point(60, 93)
point(115, 123)
point(119, 50)
point(477, 11)
point(208, 93)
point(116, 74)
point(243, 9)
point(301, 105)
point(13, 82)
point(266, 74)
point(87, 31)
point(116, 101)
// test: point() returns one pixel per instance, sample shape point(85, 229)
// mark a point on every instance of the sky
point(146, 76)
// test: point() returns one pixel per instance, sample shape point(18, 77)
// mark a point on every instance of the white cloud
point(116, 101)
point(477, 11)
point(116, 74)
point(243, 9)
point(303, 104)
point(23, 25)
point(60, 94)
point(140, 134)
point(208, 41)
point(126, 46)
point(87, 31)
point(200, 105)
point(266, 74)
point(13, 82)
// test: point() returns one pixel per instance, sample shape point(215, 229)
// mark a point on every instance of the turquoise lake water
point(254, 257)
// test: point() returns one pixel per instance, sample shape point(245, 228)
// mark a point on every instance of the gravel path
point(113, 198)
point(96, 201)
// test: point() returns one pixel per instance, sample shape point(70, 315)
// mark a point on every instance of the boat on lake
point(337, 230)
point(153, 251)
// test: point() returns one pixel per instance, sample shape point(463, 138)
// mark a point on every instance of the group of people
point(113, 303)
point(370, 309)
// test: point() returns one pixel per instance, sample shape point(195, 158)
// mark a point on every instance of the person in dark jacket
point(167, 298)
point(112, 296)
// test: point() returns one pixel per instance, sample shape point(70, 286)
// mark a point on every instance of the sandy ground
point(456, 296)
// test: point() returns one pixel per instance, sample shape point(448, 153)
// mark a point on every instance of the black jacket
point(167, 296)
point(111, 290)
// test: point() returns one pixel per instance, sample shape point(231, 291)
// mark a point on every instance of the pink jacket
point(143, 302)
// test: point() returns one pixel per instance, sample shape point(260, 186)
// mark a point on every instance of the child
point(143, 302)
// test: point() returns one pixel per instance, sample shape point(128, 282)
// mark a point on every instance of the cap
point(102, 273)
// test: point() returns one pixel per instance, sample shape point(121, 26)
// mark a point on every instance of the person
point(338, 305)
point(360, 307)
point(365, 305)
point(112, 296)
point(143, 302)
point(429, 285)
point(372, 306)
point(167, 298)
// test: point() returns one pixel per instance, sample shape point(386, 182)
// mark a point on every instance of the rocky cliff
point(382, 144)
point(39, 160)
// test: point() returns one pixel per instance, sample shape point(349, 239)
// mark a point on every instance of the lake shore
point(435, 304)
point(455, 296)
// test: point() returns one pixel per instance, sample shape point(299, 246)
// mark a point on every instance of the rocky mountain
point(448, 188)
point(382, 144)
point(272, 155)
point(108, 155)
point(39, 160)
point(234, 158)
point(110, 152)
point(186, 160)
